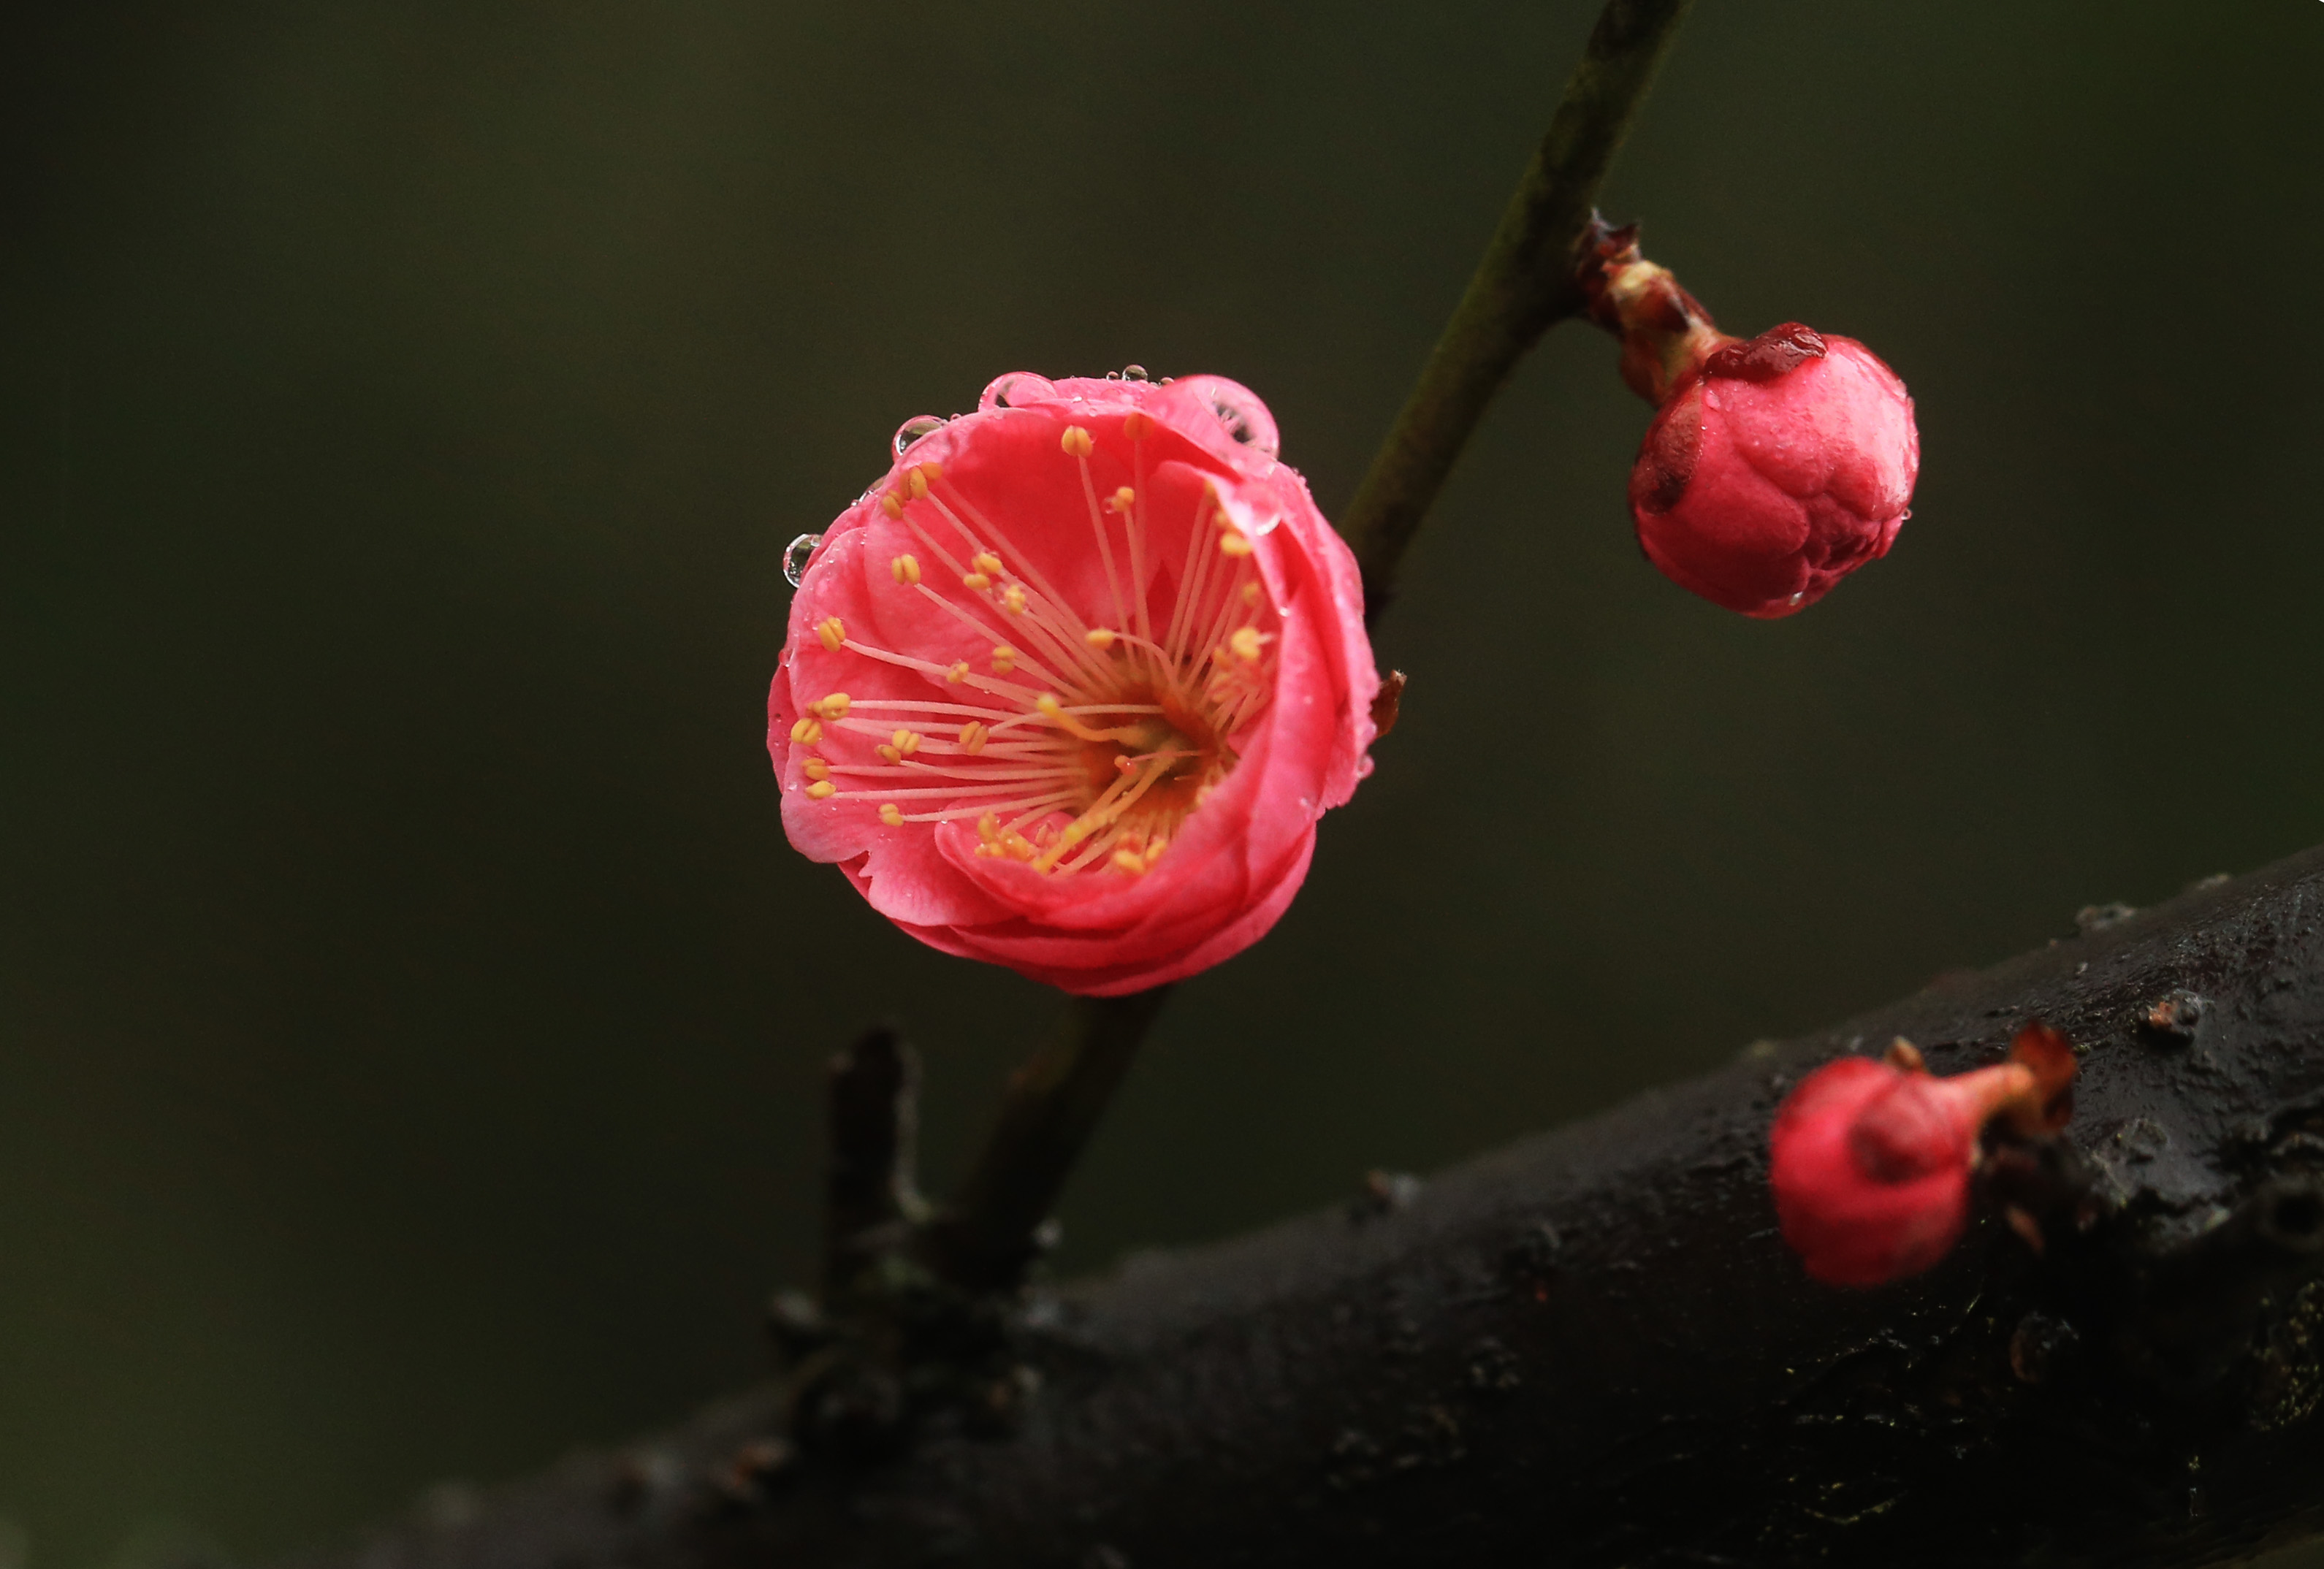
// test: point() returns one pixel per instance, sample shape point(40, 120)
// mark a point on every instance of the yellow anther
point(1000, 841)
point(1154, 851)
point(1005, 659)
point(1099, 637)
point(1013, 599)
point(987, 563)
point(815, 768)
point(907, 742)
point(975, 582)
point(932, 469)
point(973, 737)
point(958, 673)
point(890, 753)
point(1076, 441)
point(834, 706)
point(1137, 427)
point(808, 731)
point(1129, 861)
point(893, 504)
point(892, 814)
point(1123, 500)
point(1245, 640)
point(1250, 594)
point(821, 789)
point(905, 569)
point(1233, 542)
point(918, 484)
point(832, 631)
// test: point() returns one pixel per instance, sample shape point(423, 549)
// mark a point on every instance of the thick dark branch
point(991, 1230)
point(1523, 287)
point(1592, 1349)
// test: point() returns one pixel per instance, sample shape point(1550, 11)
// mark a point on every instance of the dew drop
point(914, 429)
point(1135, 373)
point(795, 557)
point(1245, 430)
point(1799, 597)
point(1015, 390)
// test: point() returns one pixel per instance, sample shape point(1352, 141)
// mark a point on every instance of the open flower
point(1871, 1161)
point(1068, 689)
point(1773, 468)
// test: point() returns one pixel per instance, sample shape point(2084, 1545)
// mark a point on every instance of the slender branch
point(1591, 1349)
point(869, 1195)
point(991, 1230)
point(1523, 287)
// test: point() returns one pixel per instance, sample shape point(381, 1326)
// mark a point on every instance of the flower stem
point(1524, 287)
point(1054, 1102)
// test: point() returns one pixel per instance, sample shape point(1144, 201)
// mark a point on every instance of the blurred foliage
point(411, 1017)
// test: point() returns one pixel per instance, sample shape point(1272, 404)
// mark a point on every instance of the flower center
point(1126, 723)
point(1178, 743)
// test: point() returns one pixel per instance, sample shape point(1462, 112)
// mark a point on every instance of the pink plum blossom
point(1068, 689)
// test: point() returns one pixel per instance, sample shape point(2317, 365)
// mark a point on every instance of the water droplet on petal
point(1799, 597)
point(1016, 389)
point(914, 429)
point(1135, 373)
point(795, 557)
point(1243, 428)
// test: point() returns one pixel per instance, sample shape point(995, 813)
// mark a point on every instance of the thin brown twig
point(991, 1230)
point(1523, 286)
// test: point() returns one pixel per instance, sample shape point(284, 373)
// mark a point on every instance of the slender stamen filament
point(1122, 724)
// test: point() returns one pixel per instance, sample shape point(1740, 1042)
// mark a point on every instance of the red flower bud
point(1774, 468)
point(1871, 1161)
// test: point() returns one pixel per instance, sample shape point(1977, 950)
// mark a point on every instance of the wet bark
point(1592, 1348)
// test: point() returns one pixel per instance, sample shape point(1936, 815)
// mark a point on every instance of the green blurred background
point(410, 1015)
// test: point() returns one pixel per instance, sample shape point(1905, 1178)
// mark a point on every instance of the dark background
point(410, 1014)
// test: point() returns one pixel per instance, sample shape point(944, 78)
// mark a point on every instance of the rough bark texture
point(1593, 1348)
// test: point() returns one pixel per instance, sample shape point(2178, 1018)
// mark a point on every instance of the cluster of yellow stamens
point(1117, 731)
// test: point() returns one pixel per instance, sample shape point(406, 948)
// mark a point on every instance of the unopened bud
point(1871, 1161)
point(1773, 468)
